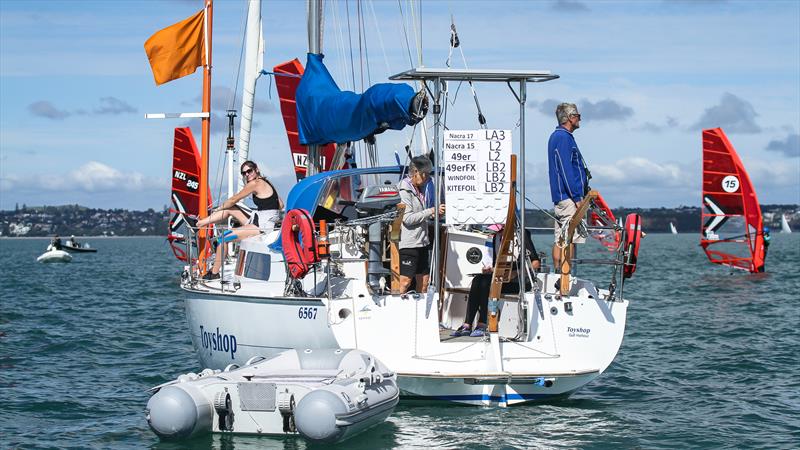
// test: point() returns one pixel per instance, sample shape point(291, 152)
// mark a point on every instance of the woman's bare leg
point(221, 216)
point(218, 258)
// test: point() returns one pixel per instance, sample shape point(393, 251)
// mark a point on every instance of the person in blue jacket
point(569, 180)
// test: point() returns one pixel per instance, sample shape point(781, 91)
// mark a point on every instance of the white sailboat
point(549, 340)
point(672, 228)
point(785, 224)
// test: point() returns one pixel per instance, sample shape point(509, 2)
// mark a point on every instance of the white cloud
point(93, 176)
point(733, 114)
point(47, 110)
point(642, 172)
point(789, 147)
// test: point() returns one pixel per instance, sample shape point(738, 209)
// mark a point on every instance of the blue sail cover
point(327, 114)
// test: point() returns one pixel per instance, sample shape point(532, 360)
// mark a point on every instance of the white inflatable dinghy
point(53, 255)
point(325, 395)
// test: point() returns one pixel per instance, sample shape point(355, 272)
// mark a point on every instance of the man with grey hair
point(414, 240)
point(568, 175)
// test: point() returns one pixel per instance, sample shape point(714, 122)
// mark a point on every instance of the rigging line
point(538, 207)
point(371, 4)
point(363, 57)
point(380, 36)
point(366, 49)
point(350, 44)
point(340, 44)
point(405, 35)
point(417, 30)
point(455, 43)
point(405, 38)
point(231, 102)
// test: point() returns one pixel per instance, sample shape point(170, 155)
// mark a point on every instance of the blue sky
point(648, 76)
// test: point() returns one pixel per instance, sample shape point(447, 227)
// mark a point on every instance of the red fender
point(633, 234)
point(299, 242)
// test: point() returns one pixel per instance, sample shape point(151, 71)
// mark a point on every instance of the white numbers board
point(477, 176)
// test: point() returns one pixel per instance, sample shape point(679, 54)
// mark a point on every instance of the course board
point(477, 176)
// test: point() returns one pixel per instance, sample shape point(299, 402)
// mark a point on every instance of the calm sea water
point(710, 358)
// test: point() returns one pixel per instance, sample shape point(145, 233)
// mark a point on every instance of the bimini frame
point(437, 76)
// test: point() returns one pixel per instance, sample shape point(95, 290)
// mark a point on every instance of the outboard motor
point(376, 200)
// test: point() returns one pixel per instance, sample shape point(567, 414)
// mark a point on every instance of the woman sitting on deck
point(263, 218)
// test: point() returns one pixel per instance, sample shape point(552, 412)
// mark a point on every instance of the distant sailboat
point(672, 228)
point(785, 225)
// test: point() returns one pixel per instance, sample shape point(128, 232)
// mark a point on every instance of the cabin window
point(336, 201)
point(257, 265)
point(339, 196)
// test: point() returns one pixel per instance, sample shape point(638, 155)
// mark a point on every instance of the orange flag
point(178, 50)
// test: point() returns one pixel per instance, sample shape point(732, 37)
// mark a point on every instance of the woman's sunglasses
point(246, 172)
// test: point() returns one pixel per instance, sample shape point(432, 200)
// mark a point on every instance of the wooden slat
point(504, 263)
point(394, 250)
point(566, 253)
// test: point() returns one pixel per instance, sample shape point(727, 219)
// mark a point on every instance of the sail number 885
point(307, 312)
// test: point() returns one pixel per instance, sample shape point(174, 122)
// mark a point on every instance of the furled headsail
point(185, 189)
point(732, 229)
point(327, 114)
point(286, 80)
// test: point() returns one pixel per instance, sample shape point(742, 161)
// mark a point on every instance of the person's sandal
point(463, 330)
point(211, 276)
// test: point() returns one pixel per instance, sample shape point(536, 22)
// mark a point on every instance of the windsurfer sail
point(185, 188)
point(672, 228)
point(602, 216)
point(731, 233)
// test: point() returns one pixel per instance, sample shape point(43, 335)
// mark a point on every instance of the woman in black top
point(263, 218)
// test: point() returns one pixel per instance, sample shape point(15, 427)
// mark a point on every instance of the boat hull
point(79, 249)
point(54, 256)
point(569, 341)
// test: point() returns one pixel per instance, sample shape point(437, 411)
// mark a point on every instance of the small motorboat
point(78, 248)
point(54, 255)
point(325, 395)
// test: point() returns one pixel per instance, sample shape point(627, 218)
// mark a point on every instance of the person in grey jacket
point(414, 239)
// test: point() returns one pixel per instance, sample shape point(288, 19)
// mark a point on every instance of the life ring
point(299, 242)
point(633, 235)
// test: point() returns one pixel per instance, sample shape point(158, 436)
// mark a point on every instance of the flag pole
point(206, 134)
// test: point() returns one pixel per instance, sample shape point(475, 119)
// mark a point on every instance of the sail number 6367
point(307, 312)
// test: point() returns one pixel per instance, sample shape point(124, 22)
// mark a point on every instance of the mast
point(206, 130)
point(315, 47)
point(253, 64)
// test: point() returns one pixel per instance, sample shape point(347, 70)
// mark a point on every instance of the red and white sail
point(185, 189)
point(601, 216)
point(732, 230)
